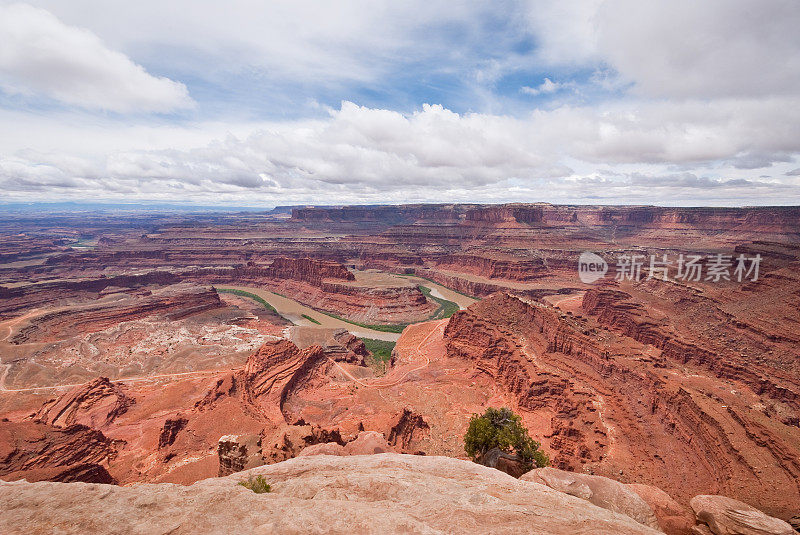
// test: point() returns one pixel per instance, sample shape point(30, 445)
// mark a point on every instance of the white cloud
point(361, 154)
point(714, 48)
point(566, 29)
point(699, 98)
point(678, 48)
point(546, 87)
point(40, 55)
point(324, 43)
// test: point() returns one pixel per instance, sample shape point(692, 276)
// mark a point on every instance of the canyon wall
point(771, 219)
point(611, 406)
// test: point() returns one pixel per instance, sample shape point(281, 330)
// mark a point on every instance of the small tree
point(502, 429)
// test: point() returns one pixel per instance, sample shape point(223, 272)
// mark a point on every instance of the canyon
point(131, 347)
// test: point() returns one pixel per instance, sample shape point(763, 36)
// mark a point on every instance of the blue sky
point(264, 103)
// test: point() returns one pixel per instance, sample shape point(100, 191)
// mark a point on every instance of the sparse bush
point(249, 295)
point(446, 308)
point(309, 318)
point(502, 429)
point(258, 484)
point(381, 353)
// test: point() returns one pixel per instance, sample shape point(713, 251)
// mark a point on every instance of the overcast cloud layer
point(621, 101)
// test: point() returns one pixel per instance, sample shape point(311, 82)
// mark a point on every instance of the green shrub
point(446, 308)
point(396, 328)
point(501, 428)
point(381, 351)
point(309, 318)
point(258, 484)
point(252, 296)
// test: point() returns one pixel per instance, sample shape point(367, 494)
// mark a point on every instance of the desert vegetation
point(446, 308)
point(312, 320)
point(249, 295)
point(502, 429)
point(257, 484)
point(381, 352)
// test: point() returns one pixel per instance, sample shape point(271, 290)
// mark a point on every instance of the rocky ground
point(120, 363)
point(385, 493)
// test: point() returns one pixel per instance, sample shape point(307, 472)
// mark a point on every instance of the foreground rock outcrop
point(673, 517)
point(386, 493)
point(726, 516)
point(366, 443)
point(601, 491)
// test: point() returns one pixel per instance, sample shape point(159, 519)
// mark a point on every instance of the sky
point(244, 103)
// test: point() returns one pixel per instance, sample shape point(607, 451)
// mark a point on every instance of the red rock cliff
point(308, 270)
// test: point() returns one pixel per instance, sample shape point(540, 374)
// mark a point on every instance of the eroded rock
point(289, 440)
point(368, 443)
point(95, 404)
point(601, 491)
point(172, 426)
point(410, 427)
point(673, 518)
point(239, 452)
point(328, 448)
point(40, 452)
point(386, 493)
point(726, 516)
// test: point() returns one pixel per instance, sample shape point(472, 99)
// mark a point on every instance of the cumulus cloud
point(361, 154)
point(669, 101)
point(793, 172)
point(40, 55)
point(546, 87)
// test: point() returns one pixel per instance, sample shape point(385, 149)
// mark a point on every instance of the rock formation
point(172, 426)
point(290, 440)
point(315, 494)
point(365, 443)
point(95, 404)
point(307, 270)
point(601, 491)
point(673, 517)
point(410, 426)
point(603, 396)
point(688, 386)
point(726, 516)
point(36, 451)
point(239, 452)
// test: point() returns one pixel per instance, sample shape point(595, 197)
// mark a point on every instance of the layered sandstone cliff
point(307, 270)
point(95, 404)
point(612, 405)
point(771, 219)
point(37, 451)
point(173, 303)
